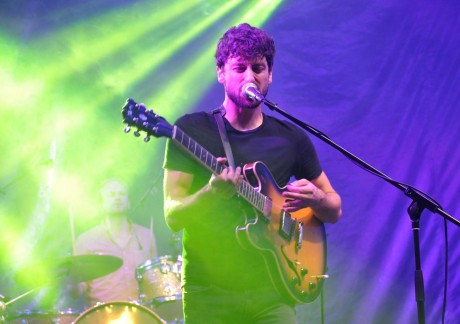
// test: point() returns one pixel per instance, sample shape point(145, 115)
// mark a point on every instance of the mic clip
point(251, 91)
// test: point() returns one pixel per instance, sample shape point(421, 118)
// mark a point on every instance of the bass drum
point(118, 313)
point(159, 287)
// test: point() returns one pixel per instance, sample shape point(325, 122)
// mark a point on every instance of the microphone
point(251, 92)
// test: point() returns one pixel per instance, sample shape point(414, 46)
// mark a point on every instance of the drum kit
point(160, 299)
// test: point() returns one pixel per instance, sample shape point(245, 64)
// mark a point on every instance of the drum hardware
point(55, 276)
point(159, 287)
point(2, 309)
point(43, 317)
point(4, 304)
point(66, 316)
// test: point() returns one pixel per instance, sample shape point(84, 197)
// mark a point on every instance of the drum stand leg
point(2, 309)
point(322, 305)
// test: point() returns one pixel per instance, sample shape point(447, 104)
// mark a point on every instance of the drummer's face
point(115, 197)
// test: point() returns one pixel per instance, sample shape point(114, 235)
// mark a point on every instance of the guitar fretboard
point(248, 192)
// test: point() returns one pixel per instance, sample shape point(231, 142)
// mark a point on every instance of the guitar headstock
point(137, 115)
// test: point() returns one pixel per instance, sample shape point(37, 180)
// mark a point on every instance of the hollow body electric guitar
point(293, 244)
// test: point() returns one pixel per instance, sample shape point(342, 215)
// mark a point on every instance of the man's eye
point(258, 69)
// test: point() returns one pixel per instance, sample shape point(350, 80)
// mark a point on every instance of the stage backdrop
point(380, 78)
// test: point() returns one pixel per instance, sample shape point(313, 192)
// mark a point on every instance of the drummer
point(117, 236)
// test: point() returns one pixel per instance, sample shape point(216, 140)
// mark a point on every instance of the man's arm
point(317, 194)
point(182, 209)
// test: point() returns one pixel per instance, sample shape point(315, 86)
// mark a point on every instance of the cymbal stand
point(2, 309)
point(3, 304)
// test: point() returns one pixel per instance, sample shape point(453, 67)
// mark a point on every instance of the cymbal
point(71, 269)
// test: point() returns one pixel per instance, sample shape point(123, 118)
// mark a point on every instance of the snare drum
point(118, 313)
point(67, 316)
point(159, 287)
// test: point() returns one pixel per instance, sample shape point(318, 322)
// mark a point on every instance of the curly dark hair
point(247, 42)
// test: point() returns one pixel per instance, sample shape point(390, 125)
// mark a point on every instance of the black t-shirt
point(212, 254)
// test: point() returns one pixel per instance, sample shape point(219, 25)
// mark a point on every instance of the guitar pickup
point(299, 236)
point(287, 226)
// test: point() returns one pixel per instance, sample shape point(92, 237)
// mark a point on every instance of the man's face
point(115, 197)
point(237, 72)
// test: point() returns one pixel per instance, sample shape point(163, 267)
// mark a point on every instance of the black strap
point(223, 135)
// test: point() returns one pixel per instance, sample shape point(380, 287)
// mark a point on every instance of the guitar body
point(293, 245)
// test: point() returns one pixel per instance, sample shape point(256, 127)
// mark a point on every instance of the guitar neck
point(245, 189)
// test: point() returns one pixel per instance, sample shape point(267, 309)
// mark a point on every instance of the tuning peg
point(146, 139)
point(127, 129)
point(136, 133)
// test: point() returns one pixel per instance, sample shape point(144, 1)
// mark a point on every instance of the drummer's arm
point(75, 289)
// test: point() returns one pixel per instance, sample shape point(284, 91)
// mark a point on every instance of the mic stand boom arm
point(420, 201)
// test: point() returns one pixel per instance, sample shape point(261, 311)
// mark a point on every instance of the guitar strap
point(218, 112)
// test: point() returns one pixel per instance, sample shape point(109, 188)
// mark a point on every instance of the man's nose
point(249, 75)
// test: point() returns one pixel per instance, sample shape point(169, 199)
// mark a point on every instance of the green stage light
point(69, 85)
point(11, 233)
point(84, 44)
point(145, 59)
point(261, 12)
point(127, 75)
point(183, 90)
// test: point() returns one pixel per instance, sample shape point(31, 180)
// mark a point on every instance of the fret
point(214, 165)
point(242, 190)
point(191, 144)
point(188, 142)
point(255, 198)
point(245, 192)
point(202, 156)
point(260, 202)
point(178, 135)
point(251, 195)
point(182, 137)
point(198, 151)
point(207, 156)
point(192, 147)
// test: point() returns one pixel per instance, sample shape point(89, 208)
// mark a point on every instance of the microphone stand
point(420, 201)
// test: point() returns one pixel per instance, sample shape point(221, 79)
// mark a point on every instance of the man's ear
point(220, 74)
